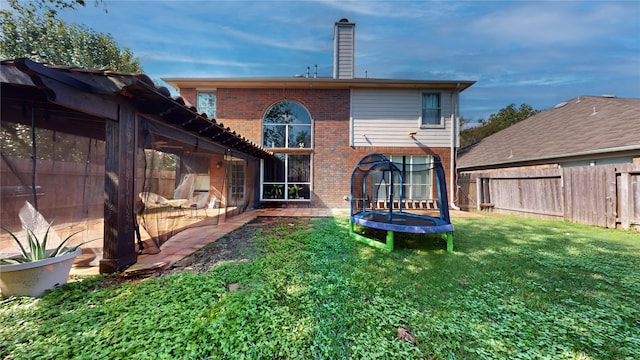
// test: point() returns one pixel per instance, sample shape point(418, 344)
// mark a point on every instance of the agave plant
point(38, 247)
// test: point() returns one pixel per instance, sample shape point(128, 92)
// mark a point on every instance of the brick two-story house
point(319, 128)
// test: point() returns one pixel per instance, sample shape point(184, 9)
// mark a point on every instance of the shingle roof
point(580, 126)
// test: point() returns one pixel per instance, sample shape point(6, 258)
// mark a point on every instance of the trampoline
point(378, 202)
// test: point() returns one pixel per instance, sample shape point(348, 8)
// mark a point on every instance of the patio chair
point(199, 201)
point(155, 201)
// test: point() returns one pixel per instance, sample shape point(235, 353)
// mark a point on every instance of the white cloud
point(540, 24)
point(536, 52)
point(393, 9)
point(305, 43)
point(193, 60)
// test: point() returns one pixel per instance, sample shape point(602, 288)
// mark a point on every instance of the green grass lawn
point(513, 288)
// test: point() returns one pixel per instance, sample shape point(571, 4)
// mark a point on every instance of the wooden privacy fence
point(603, 195)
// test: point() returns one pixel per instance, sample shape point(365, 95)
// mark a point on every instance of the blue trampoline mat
point(402, 222)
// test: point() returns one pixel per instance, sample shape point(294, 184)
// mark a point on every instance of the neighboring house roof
point(317, 83)
point(148, 99)
point(581, 127)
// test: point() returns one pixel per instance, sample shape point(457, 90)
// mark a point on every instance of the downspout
point(454, 140)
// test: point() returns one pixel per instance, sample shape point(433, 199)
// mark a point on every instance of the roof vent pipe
point(315, 71)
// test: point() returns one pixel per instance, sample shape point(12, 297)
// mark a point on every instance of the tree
point(502, 120)
point(33, 30)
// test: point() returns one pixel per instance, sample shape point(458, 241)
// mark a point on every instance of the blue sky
point(534, 52)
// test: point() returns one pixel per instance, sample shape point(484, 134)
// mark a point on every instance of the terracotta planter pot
point(34, 278)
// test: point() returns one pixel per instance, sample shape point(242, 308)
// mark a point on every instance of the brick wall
point(333, 158)
point(190, 95)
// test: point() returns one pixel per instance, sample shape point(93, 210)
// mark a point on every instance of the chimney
point(343, 49)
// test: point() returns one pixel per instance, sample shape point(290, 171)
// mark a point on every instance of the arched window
point(287, 176)
point(286, 124)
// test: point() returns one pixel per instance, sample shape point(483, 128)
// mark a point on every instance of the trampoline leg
point(388, 245)
point(390, 237)
point(448, 237)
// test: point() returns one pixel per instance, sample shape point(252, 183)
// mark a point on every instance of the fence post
point(625, 200)
point(478, 192)
point(610, 197)
point(567, 204)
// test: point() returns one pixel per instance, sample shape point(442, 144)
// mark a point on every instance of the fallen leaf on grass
point(404, 334)
point(234, 287)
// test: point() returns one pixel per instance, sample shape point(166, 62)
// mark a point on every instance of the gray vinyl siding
point(344, 52)
point(386, 117)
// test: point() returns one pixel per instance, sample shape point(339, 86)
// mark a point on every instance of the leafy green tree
point(33, 30)
point(502, 120)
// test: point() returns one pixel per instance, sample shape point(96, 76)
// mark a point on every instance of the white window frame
point(237, 177)
point(288, 151)
point(423, 107)
point(408, 180)
point(208, 109)
point(286, 183)
point(287, 128)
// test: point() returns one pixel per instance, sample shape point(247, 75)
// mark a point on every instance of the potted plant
point(37, 269)
point(277, 191)
point(294, 191)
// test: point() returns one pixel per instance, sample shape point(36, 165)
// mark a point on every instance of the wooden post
point(625, 199)
point(479, 198)
point(119, 248)
point(610, 197)
point(567, 185)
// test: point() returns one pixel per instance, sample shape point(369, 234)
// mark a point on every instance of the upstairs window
point(286, 124)
point(207, 103)
point(431, 111)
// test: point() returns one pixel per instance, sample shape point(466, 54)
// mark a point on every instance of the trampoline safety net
point(379, 184)
point(408, 196)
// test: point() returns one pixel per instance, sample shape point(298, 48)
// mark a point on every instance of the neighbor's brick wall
point(333, 158)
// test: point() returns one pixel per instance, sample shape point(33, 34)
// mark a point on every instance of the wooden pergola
point(113, 107)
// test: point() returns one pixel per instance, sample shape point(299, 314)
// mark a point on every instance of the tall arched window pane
point(287, 175)
point(286, 124)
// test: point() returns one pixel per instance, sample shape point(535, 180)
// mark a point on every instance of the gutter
point(454, 140)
